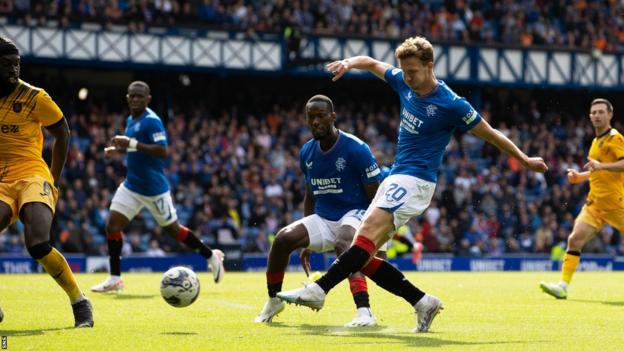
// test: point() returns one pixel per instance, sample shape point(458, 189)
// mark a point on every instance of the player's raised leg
point(581, 234)
point(37, 219)
point(115, 224)
point(186, 236)
point(370, 236)
point(287, 240)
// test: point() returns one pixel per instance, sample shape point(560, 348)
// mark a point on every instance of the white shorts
point(323, 232)
point(404, 196)
point(129, 204)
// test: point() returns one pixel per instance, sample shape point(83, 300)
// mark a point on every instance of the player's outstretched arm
point(493, 136)
point(339, 68)
point(60, 131)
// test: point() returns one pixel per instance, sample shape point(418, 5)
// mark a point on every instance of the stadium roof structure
point(229, 52)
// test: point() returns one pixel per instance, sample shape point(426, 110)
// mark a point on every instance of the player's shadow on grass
point(333, 329)
point(18, 333)
point(179, 333)
point(132, 296)
point(377, 335)
point(610, 303)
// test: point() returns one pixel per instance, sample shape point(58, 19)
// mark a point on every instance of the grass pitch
point(483, 311)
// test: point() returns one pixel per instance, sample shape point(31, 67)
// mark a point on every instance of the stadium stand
point(557, 24)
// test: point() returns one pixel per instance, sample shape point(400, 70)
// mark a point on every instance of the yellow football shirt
point(22, 114)
point(606, 188)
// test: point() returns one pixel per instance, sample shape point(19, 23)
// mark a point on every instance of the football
point(179, 287)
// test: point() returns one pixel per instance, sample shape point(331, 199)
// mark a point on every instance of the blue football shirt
point(338, 176)
point(146, 174)
point(427, 125)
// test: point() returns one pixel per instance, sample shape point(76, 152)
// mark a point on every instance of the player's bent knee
point(282, 240)
point(287, 240)
point(39, 251)
point(576, 241)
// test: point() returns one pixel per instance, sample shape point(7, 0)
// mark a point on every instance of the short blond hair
point(418, 47)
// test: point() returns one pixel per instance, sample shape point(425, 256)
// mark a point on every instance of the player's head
point(415, 57)
point(9, 65)
point(138, 97)
point(320, 116)
point(600, 113)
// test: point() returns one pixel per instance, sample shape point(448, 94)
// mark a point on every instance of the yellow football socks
point(570, 261)
point(57, 267)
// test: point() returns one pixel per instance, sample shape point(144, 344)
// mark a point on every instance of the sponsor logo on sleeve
point(160, 136)
point(470, 116)
point(372, 171)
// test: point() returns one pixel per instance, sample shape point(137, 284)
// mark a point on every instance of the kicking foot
point(310, 295)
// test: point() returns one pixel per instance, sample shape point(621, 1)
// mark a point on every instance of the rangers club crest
point(431, 110)
point(341, 164)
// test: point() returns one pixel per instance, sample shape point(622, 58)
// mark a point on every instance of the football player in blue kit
point(430, 113)
point(145, 144)
point(341, 177)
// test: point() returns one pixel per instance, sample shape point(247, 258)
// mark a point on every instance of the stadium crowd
point(563, 23)
point(236, 179)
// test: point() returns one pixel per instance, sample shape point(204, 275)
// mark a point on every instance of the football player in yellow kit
point(605, 201)
point(28, 188)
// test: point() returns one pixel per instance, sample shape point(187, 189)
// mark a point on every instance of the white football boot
point(426, 310)
point(215, 262)
point(272, 308)
point(363, 318)
point(556, 290)
point(311, 295)
point(112, 283)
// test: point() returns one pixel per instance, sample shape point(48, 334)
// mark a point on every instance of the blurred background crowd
point(558, 23)
point(235, 173)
